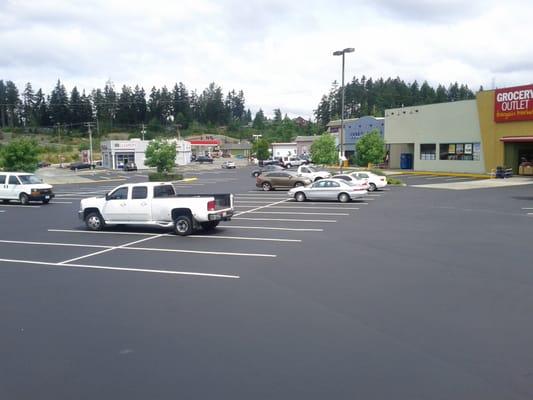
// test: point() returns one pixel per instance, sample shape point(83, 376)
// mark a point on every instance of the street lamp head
point(348, 50)
point(338, 53)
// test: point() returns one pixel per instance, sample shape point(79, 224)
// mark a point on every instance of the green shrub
point(162, 177)
point(394, 181)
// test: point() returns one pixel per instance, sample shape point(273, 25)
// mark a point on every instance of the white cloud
point(278, 52)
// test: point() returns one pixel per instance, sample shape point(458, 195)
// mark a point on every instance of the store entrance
point(518, 154)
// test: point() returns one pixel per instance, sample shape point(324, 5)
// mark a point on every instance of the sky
point(278, 52)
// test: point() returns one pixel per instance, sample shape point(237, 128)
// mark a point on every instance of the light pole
point(341, 53)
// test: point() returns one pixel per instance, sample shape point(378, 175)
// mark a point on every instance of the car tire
point(266, 186)
point(24, 199)
point(372, 187)
point(94, 221)
point(300, 196)
point(255, 174)
point(298, 184)
point(183, 225)
point(209, 226)
point(289, 165)
point(46, 201)
point(344, 197)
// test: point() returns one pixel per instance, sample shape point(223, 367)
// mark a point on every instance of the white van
point(24, 187)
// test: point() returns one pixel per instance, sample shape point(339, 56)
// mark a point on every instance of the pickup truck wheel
point(24, 199)
point(94, 222)
point(300, 196)
point(372, 187)
point(267, 186)
point(183, 225)
point(209, 226)
point(5, 201)
point(344, 198)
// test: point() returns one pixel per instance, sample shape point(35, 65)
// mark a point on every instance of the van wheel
point(344, 198)
point(209, 226)
point(24, 199)
point(94, 221)
point(183, 225)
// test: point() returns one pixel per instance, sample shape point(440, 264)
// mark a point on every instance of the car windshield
point(29, 179)
point(311, 169)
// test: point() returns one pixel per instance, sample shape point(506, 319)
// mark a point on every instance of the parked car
point(292, 161)
point(266, 168)
point(327, 189)
point(24, 188)
point(156, 204)
point(228, 164)
point(43, 164)
point(130, 167)
point(204, 159)
point(270, 162)
point(353, 180)
point(313, 173)
point(80, 165)
point(375, 181)
point(280, 180)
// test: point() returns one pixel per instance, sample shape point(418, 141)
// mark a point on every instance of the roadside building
point(243, 149)
point(477, 136)
point(354, 129)
point(201, 147)
point(283, 149)
point(303, 144)
point(116, 153)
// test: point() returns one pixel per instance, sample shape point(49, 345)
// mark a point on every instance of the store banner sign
point(513, 104)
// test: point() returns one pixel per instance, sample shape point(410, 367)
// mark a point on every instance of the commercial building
point(304, 143)
point(354, 129)
point(477, 136)
point(116, 153)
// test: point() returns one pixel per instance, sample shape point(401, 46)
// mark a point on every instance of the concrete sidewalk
point(478, 184)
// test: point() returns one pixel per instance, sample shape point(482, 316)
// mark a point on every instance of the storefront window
point(428, 151)
point(460, 151)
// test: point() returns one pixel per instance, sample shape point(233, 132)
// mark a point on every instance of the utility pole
point(88, 125)
point(60, 155)
point(142, 131)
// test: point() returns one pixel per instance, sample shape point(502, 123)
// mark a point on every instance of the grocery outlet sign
point(514, 104)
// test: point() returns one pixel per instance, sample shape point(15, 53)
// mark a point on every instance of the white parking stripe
point(527, 208)
point(107, 250)
point(104, 232)
point(295, 213)
point(286, 220)
point(19, 205)
point(258, 208)
point(1, 211)
point(61, 202)
point(253, 202)
point(294, 206)
point(269, 228)
point(457, 179)
point(242, 238)
point(128, 247)
point(151, 271)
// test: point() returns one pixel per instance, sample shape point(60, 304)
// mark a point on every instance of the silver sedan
point(327, 189)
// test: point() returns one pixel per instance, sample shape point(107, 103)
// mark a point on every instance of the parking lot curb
point(189, 180)
point(450, 174)
point(91, 181)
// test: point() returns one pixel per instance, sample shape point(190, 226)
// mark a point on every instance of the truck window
point(139, 192)
point(2, 179)
point(119, 194)
point(13, 180)
point(163, 191)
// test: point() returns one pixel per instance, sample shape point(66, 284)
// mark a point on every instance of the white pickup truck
point(312, 173)
point(156, 204)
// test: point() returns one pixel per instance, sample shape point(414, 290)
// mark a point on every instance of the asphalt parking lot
point(407, 293)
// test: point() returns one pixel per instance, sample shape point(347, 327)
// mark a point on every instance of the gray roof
point(236, 146)
point(306, 138)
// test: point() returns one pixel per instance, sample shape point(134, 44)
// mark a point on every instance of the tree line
point(366, 96)
point(129, 106)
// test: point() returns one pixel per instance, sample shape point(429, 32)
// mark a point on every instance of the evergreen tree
point(42, 114)
point(76, 117)
point(140, 107)
point(28, 106)
point(125, 108)
point(259, 120)
point(3, 104)
point(13, 104)
point(59, 110)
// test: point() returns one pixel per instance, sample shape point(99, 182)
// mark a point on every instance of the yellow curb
point(189, 180)
point(458, 174)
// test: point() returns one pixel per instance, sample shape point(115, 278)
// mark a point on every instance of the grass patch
point(394, 181)
point(161, 177)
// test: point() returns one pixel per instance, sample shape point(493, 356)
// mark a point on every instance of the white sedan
point(362, 183)
point(228, 164)
point(327, 189)
point(375, 181)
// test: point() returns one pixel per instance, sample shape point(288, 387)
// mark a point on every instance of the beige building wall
point(455, 122)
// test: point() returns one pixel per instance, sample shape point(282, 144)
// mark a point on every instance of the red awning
point(204, 142)
point(516, 139)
